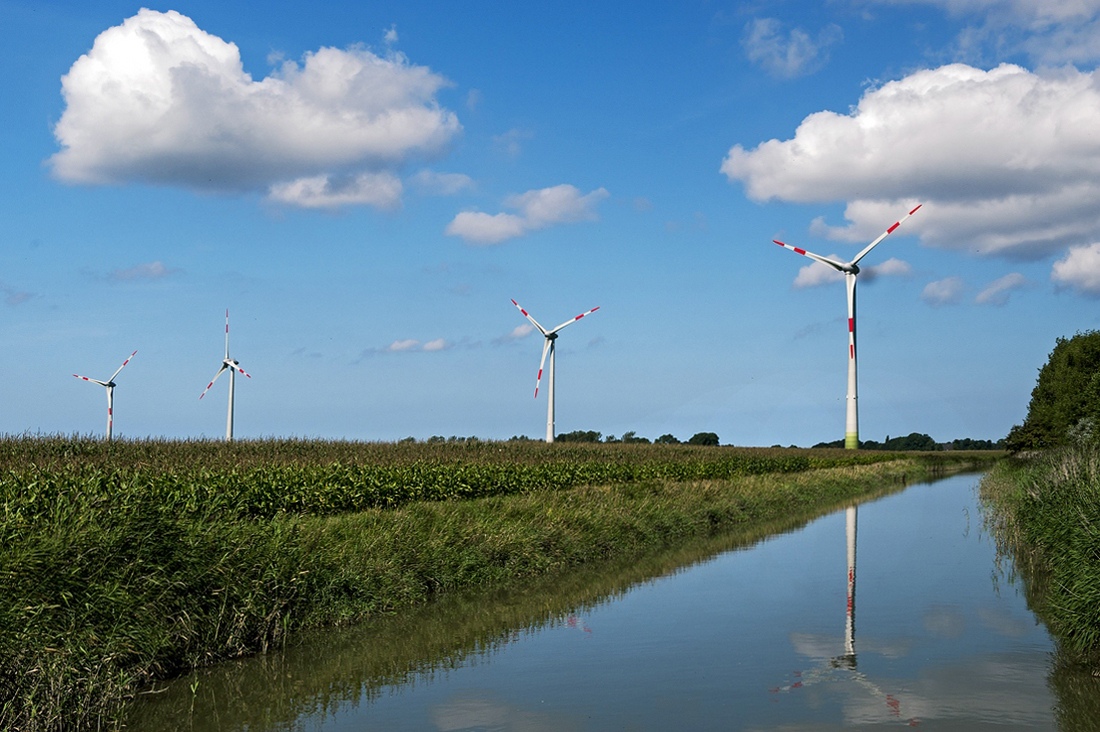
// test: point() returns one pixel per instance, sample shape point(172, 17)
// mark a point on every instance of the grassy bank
point(1046, 512)
point(128, 562)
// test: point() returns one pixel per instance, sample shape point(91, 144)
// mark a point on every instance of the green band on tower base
point(851, 440)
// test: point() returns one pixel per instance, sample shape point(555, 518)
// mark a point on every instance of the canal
point(897, 613)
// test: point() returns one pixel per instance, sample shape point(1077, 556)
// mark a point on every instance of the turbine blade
point(528, 316)
point(884, 234)
point(227, 333)
point(574, 320)
point(94, 381)
point(545, 348)
point(122, 366)
point(237, 367)
point(839, 266)
point(223, 368)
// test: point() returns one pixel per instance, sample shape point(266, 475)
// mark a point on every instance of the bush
point(703, 438)
point(1066, 396)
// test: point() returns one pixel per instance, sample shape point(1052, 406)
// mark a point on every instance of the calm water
point(715, 637)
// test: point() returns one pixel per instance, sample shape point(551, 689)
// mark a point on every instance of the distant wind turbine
point(850, 270)
point(110, 384)
point(233, 367)
point(548, 347)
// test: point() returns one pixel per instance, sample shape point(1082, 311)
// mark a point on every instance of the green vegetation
point(1065, 404)
point(1046, 512)
point(920, 442)
point(125, 562)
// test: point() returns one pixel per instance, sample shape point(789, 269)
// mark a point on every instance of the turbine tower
point(548, 347)
point(850, 271)
point(233, 367)
point(110, 384)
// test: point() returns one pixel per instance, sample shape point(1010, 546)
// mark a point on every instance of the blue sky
point(365, 186)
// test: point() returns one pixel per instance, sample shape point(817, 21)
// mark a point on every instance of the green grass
point(128, 562)
point(1046, 513)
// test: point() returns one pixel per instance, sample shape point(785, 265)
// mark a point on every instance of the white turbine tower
point(233, 367)
point(110, 384)
point(548, 347)
point(850, 270)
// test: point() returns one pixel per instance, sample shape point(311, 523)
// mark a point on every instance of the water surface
point(735, 634)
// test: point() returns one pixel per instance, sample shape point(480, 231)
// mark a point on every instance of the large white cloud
point(1007, 160)
point(561, 204)
point(157, 100)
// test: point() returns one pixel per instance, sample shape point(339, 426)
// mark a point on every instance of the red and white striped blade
point(227, 332)
point(236, 367)
point(574, 320)
point(538, 379)
point(94, 381)
point(122, 366)
point(223, 368)
point(839, 266)
point(528, 316)
point(885, 234)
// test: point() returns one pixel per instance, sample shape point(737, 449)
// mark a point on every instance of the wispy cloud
point(157, 270)
point(442, 184)
point(538, 209)
point(13, 296)
point(998, 291)
point(947, 291)
point(517, 333)
point(407, 345)
point(788, 54)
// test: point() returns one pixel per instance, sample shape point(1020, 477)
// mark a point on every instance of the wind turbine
point(110, 384)
point(850, 270)
point(233, 367)
point(548, 347)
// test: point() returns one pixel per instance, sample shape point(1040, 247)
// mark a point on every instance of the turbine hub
point(853, 268)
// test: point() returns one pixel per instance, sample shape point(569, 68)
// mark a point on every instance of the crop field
point(126, 562)
point(269, 477)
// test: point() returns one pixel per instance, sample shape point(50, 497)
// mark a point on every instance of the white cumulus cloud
point(997, 292)
point(538, 209)
point(1079, 269)
point(791, 54)
point(943, 292)
point(1006, 161)
point(157, 100)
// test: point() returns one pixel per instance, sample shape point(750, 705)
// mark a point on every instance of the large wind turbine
point(850, 270)
point(548, 347)
point(233, 367)
point(110, 384)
